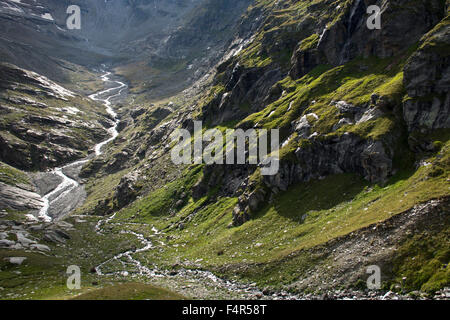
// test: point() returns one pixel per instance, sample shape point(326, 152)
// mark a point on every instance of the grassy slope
point(307, 215)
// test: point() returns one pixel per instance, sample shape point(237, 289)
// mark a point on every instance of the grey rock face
point(19, 199)
point(427, 81)
point(247, 204)
point(247, 91)
point(347, 153)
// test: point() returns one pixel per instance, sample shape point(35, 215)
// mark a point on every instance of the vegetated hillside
point(364, 118)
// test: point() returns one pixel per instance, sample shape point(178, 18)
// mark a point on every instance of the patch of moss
point(422, 261)
point(310, 42)
point(12, 176)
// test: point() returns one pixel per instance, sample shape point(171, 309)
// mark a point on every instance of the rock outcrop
point(19, 199)
point(127, 190)
point(427, 81)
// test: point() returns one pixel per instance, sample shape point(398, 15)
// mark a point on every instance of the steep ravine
point(68, 192)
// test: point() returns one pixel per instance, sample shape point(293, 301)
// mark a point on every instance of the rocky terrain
point(363, 117)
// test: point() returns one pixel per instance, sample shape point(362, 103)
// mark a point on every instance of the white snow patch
point(47, 16)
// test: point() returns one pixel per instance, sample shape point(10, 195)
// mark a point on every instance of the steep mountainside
point(364, 120)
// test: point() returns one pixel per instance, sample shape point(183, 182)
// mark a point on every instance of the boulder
point(19, 199)
point(127, 190)
point(15, 260)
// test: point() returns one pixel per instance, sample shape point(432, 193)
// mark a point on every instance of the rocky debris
point(19, 199)
point(27, 235)
point(23, 240)
point(6, 243)
point(374, 245)
point(442, 294)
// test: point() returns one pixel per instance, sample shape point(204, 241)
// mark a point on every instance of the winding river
point(68, 186)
